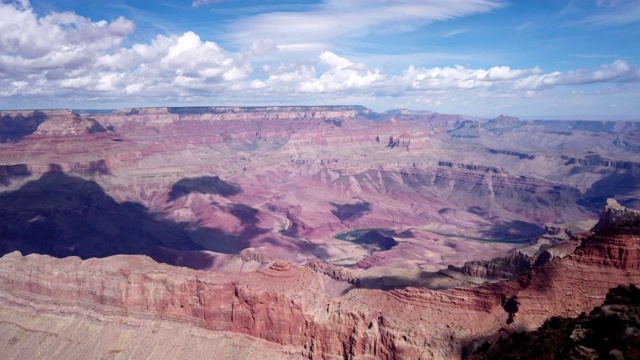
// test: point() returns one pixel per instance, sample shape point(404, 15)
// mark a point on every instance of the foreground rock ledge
point(289, 306)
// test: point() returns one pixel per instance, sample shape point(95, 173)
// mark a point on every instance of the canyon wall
point(256, 207)
point(289, 305)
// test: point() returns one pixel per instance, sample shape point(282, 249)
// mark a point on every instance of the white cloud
point(62, 57)
point(183, 61)
point(65, 51)
point(334, 19)
point(343, 75)
point(618, 71)
point(285, 78)
point(56, 41)
point(459, 77)
point(620, 14)
point(121, 27)
point(197, 3)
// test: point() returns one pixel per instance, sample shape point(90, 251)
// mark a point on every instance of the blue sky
point(544, 58)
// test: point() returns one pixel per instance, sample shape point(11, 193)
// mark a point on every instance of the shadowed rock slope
point(290, 307)
point(465, 188)
point(610, 331)
point(61, 215)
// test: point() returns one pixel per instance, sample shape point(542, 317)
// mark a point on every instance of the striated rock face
point(279, 304)
point(615, 216)
point(15, 125)
point(610, 331)
point(289, 305)
point(26, 334)
point(334, 272)
point(617, 239)
point(257, 207)
point(501, 268)
point(596, 160)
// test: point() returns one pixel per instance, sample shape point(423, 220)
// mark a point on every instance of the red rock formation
point(506, 267)
point(617, 218)
point(288, 305)
point(295, 168)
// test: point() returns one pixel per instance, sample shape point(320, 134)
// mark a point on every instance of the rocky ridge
point(618, 218)
point(288, 305)
point(275, 154)
point(609, 331)
point(260, 197)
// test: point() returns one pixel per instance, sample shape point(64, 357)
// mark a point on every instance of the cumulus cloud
point(343, 75)
point(285, 78)
point(65, 51)
point(459, 77)
point(618, 71)
point(121, 27)
point(66, 57)
point(58, 39)
point(183, 61)
point(504, 78)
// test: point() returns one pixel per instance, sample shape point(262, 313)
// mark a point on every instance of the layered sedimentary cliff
point(256, 207)
point(610, 331)
point(497, 269)
point(289, 306)
point(305, 174)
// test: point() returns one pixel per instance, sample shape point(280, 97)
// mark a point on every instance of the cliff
point(618, 218)
point(289, 305)
point(225, 194)
point(507, 267)
point(609, 331)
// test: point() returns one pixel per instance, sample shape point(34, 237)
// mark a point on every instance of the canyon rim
point(305, 232)
point(319, 179)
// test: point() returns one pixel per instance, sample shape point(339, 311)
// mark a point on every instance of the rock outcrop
point(618, 218)
point(288, 305)
point(507, 267)
point(15, 125)
point(250, 205)
point(610, 331)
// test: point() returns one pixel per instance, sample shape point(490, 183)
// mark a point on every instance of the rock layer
point(265, 199)
point(289, 306)
point(609, 331)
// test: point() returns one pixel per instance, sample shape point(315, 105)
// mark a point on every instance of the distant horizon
point(566, 117)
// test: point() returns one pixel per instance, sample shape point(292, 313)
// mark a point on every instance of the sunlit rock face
point(326, 231)
point(296, 308)
point(585, 336)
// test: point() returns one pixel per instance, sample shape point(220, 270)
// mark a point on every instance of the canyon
point(305, 232)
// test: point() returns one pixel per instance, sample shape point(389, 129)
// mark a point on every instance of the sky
point(536, 59)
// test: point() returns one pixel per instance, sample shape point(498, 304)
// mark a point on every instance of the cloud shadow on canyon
point(214, 239)
point(10, 172)
point(350, 211)
point(513, 231)
point(203, 185)
point(61, 215)
point(246, 214)
point(426, 279)
point(15, 128)
point(620, 183)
